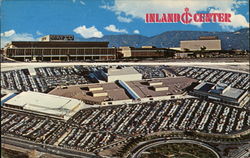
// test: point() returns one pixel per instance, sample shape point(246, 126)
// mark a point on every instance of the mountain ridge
point(229, 40)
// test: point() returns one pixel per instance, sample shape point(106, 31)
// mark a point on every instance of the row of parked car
point(45, 79)
point(28, 126)
point(92, 128)
point(235, 79)
point(183, 114)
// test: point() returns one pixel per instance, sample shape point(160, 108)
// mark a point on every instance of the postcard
point(125, 79)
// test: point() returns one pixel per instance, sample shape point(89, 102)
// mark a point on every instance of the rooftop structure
point(222, 92)
point(117, 73)
point(148, 46)
point(56, 106)
point(121, 92)
point(57, 38)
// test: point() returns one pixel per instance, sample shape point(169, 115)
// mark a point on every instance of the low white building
point(45, 104)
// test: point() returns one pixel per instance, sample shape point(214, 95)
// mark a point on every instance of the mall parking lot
point(235, 79)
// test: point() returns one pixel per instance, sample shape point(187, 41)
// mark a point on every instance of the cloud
point(39, 33)
point(8, 33)
point(237, 20)
point(13, 36)
point(108, 7)
point(137, 9)
point(198, 24)
point(88, 32)
point(124, 19)
point(118, 13)
point(136, 31)
point(237, 4)
point(112, 28)
point(82, 3)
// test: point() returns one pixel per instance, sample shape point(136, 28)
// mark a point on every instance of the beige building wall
point(155, 83)
point(160, 88)
point(95, 88)
point(44, 38)
point(194, 45)
point(129, 77)
point(126, 51)
point(100, 94)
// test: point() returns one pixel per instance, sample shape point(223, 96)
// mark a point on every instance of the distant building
point(59, 48)
point(208, 38)
point(206, 43)
point(144, 52)
point(222, 93)
point(45, 104)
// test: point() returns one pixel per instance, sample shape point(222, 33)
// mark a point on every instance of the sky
point(28, 20)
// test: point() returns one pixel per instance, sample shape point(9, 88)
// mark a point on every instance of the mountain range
point(229, 40)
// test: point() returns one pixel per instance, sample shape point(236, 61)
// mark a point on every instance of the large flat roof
point(80, 92)
point(45, 103)
point(115, 92)
point(233, 93)
point(176, 85)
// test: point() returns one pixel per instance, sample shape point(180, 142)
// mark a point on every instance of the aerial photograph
point(125, 79)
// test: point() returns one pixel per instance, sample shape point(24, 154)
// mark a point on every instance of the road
point(14, 66)
point(143, 146)
point(45, 148)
